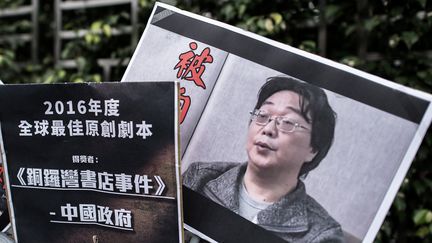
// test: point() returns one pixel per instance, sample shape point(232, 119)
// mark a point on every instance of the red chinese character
point(185, 102)
point(191, 65)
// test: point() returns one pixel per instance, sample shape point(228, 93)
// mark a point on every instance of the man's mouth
point(264, 145)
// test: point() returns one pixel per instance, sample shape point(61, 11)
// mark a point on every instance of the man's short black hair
point(314, 108)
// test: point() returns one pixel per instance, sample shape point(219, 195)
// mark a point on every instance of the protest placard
point(92, 161)
point(222, 71)
point(4, 217)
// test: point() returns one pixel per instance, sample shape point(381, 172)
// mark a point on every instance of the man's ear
point(311, 155)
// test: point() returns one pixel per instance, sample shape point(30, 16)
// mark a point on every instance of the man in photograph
point(290, 131)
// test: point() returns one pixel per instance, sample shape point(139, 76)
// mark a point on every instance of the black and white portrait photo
point(290, 131)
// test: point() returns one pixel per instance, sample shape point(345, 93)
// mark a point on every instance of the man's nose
point(270, 128)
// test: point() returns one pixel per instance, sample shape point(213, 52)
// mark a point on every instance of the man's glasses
point(283, 124)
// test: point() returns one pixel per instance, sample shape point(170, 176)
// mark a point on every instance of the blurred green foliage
point(391, 39)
